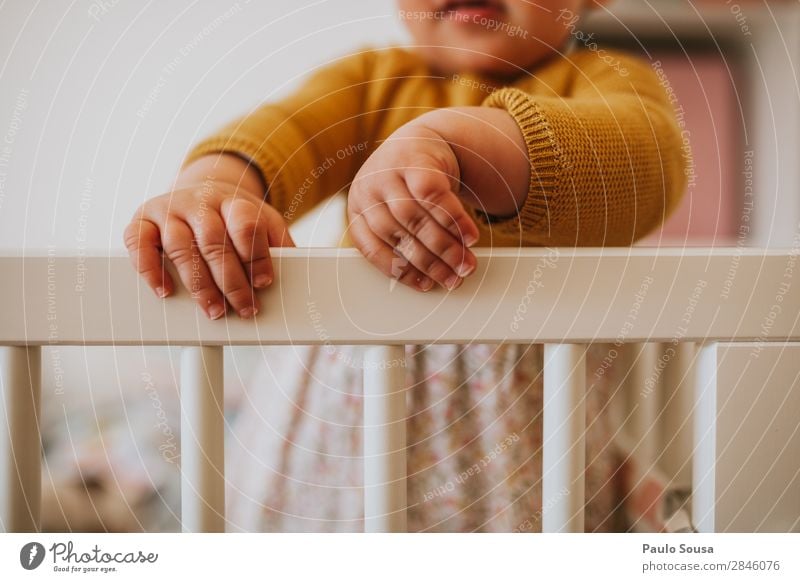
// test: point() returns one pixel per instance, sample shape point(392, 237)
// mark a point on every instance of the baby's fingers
point(405, 246)
point(181, 248)
point(248, 228)
point(143, 241)
point(440, 242)
point(434, 192)
point(224, 263)
point(382, 256)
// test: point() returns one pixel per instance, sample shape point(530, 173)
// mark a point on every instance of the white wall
point(92, 123)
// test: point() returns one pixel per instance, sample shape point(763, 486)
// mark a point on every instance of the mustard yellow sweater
point(606, 155)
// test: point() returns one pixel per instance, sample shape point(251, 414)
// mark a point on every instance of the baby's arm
point(407, 200)
point(605, 165)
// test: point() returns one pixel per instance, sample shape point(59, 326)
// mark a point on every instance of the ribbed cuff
point(545, 160)
point(249, 149)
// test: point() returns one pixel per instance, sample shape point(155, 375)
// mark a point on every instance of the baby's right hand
point(218, 236)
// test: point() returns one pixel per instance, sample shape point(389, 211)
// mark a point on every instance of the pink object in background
point(709, 211)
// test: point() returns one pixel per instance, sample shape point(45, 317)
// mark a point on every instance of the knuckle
point(401, 207)
point(179, 254)
point(459, 228)
point(443, 215)
point(353, 198)
point(206, 229)
point(150, 273)
point(432, 195)
point(410, 276)
point(240, 207)
point(257, 265)
point(247, 229)
point(427, 263)
point(172, 240)
point(434, 237)
point(453, 255)
point(371, 252)
point(238, 294)
point(416, 222)
point(131, 237)
point(214, 251)
point(362, 182)
point(203, 190)
point(438, 270)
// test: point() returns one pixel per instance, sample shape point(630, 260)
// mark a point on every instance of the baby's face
point(494, 37)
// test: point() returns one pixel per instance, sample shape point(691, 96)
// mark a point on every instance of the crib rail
point(333, 295)
point(563, 297)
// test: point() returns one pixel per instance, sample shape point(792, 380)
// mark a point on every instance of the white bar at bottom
point(384, 439)
point(202, 440)
point(564, 455)
point(20, 440)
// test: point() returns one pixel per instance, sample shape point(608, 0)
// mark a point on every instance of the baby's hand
point(404, 213)
point(217, 234)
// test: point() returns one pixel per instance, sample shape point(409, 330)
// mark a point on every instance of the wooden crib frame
point(562, 297)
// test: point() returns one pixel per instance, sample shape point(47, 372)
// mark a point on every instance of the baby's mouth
point(471, 9)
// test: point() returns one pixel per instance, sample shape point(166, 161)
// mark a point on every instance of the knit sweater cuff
point(545, 161)
point(255, 152)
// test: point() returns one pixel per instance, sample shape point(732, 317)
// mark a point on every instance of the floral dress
point(474, 436)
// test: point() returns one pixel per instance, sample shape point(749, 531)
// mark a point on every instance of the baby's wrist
point(491, 154)
point(433, 140)
point(226, 167)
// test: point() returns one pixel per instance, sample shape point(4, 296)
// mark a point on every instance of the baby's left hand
point(405, 215)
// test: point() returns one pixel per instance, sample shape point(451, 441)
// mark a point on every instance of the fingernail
point(425, 283)
point(262, 280)
point(470, 240)
point(247, 312)
point(464, 269)
point(452, 282)
point(216, 311)
point(161, 292)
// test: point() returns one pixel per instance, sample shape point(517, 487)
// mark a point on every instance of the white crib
point(564, 298)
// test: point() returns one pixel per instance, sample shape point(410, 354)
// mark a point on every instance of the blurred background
point(101, 99)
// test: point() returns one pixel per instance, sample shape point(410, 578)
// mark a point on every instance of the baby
point(492, 129)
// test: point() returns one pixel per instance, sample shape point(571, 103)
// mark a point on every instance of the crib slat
point(384, 439)
point(20, 439)
point(705, 438)
point(644, 392)
point(202, 440)
point(676, 427)
point(564, 455)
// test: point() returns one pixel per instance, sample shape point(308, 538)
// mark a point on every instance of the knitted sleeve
point(307, 146)
point(607, 161)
